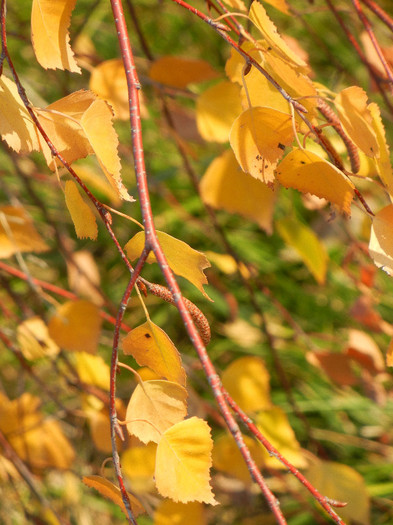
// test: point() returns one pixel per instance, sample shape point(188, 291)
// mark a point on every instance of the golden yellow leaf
point(92, 370)
point(183, 462)
point(269, 31)
point(16, 125)
point(182, 259)
point(50, 20)
point(258, 138)
point(355, 116)
point(227, 264)
point(170, 513)
point(261, 92)
point(81, 214)
point(228, 459)
point(110, 491)
point(100, 427)
point(281, 5)
point(138, 464)
point(307, 245)
point(179, 72)
point(226, 187)
point(17, 233)
point(309, 173)
point(97, 125)
point(33, 339)
point(154, 407)
point(146, 374)
point(150, 346)
point(108, 80)
point(216, 109)
point(247, 381)
point(99, 184)
point(84, 276)
point(341, 482)
point(382, 163)
point(275, 427)
point(76, 326)
point(381, 239)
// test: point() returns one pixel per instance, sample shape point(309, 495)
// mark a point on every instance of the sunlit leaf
point(76, 326)
point(33, 339)
point(138, 464)
point(81, 214)
point(150, 346)
point(355, 116)
point(307, 245)
point(275, 427)
point(17, 233)
point(382, 163)
point(228, 459)
point(179, 72)
point(269, 31)
point(226, 187)
point(16, 126)
point(281, 5)
point(110, 491)
point(92, 370)
point(216, 109)
point(183, 462)
point(309, 173)
point(341, 482)
point(381, 239)
point(182, 259)
point(247, 381)
point(50, 20)
point(258, 138)
point(170, 513)
point(154, 407)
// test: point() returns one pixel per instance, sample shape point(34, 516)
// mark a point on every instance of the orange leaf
point(81, 214)
point(150, 346)
point(182, 259)
point(50, 20)
point(154, 407)
point(183, 462)
point(226, 187)
point(17, 233)
point(179, 72)
point(76, 326)
point(309, 173)
point(110, 491)
point(16, 126)
point(216, 109)
point(258, 138)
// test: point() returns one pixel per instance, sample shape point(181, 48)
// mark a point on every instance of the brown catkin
point(197, 316)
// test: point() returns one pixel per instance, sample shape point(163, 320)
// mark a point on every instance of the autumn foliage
point(232, 365)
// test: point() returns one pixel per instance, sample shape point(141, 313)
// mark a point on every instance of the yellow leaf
point(150, 346)
point(216, 109)
point(269, 31)
point(258, 138)
point(108, 80)
point(92, 370)
point(33, 339)
point(50, 20)
point(228, 459)
point(76, 326)
point(341, 482)
point(183, 462)
point(110, 491)
point(309, 173)
point(84, 276)
point(381, 239)
point(97, 125)
point(16, 125)
point(100, 427)
point(275, 427)
point(227, 264)
point(17, 233)
point(170, 513)
point(182, 259)
point(154, 407)
point(94, 180)
point(138, 464)
point(247, 382)
point(81, 214)
point(179, 72)
point(355, 116)
point(382, 163)
point(307, 245)
point(261, 92)
point(281, 5)
point(226, 187)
